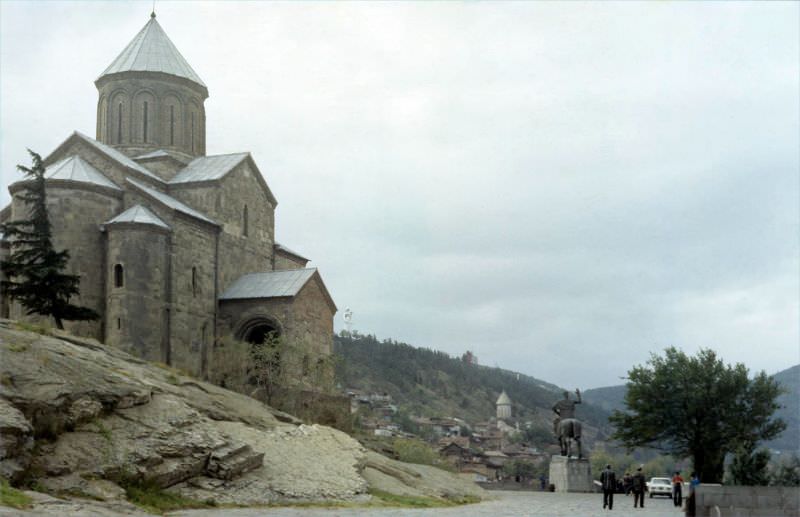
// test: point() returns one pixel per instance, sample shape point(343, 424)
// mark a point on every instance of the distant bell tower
point(150, 98)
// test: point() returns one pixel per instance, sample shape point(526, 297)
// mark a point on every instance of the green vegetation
point(35, 270)
point(417, 451)
point(409, 501)
point(153, 499)
point(697, 407)
point(102, 430)
point(786, 472)
point(17, 347)
point(12, 497)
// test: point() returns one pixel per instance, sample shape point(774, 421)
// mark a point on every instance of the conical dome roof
point(152, 51)
point(503, 399)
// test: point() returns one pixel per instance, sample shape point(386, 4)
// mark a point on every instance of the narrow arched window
point(194, 281)
point(119, 276)
point(193, 132)
point(119, 123)
point(244, 221)
point(172, 125)
point(144, 120)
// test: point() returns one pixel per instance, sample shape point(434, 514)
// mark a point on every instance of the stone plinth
point(570, 474)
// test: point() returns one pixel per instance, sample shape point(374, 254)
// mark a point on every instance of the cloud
point(563, 189)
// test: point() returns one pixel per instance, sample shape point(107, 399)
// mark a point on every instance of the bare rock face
point(82, 419)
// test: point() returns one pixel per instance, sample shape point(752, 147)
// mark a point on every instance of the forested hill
point(612, 397)
point(429, 383)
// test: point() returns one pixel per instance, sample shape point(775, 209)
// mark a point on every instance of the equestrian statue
point(566, 426)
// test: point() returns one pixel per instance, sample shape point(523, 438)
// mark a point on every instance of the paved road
point(505, 504)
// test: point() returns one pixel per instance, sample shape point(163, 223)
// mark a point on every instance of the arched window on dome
point(194, 281)
point(245, 221)
point(119, 276)
point(119, 123)
point(145, 121)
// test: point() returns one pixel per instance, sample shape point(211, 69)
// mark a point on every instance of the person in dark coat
point(608, 479)
point(639, 487)
point(627, 483)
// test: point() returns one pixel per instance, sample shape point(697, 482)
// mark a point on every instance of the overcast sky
point(562, 188)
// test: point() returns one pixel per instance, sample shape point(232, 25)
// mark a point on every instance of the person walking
point(639, 487)
point(627, 483)
point(677, 488)
point(608, 479)
point(691, 509)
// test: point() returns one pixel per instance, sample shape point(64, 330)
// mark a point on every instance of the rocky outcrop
point(81, 419)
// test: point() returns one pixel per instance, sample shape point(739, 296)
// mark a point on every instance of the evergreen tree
point(697, 407)
point(34, 268)
point(750, 466)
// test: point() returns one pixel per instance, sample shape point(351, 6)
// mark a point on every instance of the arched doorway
point(263, 334)
point(258, 330)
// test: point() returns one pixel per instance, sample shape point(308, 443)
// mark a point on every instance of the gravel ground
point(504, 504)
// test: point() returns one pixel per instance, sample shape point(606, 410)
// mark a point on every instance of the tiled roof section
point(207, 168)
point(281, 247)
point(75, 168)
point(170, 201)
point(269, 284)
point(152, 51)
point(117, 156)
point(140, 215)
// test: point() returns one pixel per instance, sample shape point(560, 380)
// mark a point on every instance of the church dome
point(151, 99)
point(503, 399)
point(151, 50)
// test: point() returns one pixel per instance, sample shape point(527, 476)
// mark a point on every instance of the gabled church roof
point(274, 284)
point(216, 167)
point(207, 168)
point(139, 214)
point(74, 168)
point(152, 51)
point(109, 151)
point(170, 202)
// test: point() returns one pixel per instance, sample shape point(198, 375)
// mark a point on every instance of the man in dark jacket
point(639, 487)
point(608, 479)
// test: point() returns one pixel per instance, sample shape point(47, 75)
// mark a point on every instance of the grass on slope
point(12, 497)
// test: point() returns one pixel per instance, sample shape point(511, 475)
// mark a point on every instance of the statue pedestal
point(571, 474)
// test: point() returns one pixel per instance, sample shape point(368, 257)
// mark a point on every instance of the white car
point(660, 486)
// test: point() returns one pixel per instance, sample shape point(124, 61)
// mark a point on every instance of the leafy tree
point(697, 407)
point(750, 466)
point(268, 365)
point(34, 268)
point(787, 472)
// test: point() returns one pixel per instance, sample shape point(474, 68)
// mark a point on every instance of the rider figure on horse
point(565, 410)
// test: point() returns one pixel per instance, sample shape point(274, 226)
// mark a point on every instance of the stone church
point(175, 249)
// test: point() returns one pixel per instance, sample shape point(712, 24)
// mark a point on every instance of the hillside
point(430, 383)
point(612, 397)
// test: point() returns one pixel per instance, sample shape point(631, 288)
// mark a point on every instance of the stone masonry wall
point(169, 102)
point(224, 202)
point(136, 309)
point(193, 301)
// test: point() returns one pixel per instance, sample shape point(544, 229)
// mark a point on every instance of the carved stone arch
point(119, 108)
point(256, 328)
point(144, 120)
point(195, 127)
point(102, 117)
point(171, 119)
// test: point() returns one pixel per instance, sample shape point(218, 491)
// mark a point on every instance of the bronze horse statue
point(569, 430)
